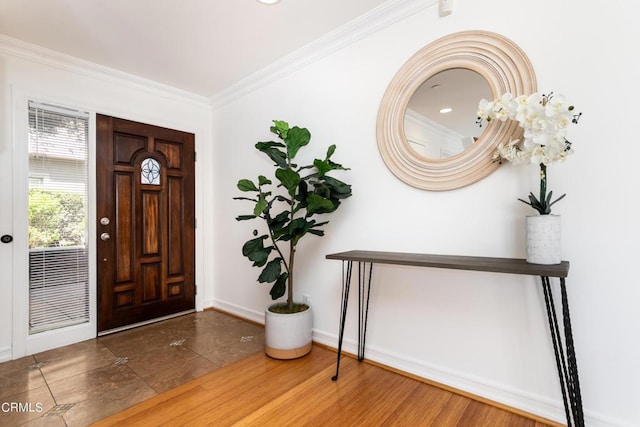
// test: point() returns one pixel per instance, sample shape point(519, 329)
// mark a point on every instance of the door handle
point(105, 236)
point(7, 238)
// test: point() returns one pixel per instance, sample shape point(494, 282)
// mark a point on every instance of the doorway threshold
point(146, 322)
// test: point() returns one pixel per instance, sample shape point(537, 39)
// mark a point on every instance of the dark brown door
point(146, 222)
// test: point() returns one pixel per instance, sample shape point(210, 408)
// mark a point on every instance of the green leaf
point(245, 217)
point(338, 188)
point(280, 128)
point(289, 178)
point(322, 166)
point(254, 250)
point(261, 205)
point(298, 228)
point(318, 204)
point(279, 219)
point(295, 140)
point(326, 165)
point(557, 200)
point(277, 224)
point(331, 188)
point(331, 150)
point(285, 236)
point(280, 287)
point(549, 197)
point(535, 204)
point(246, 185)
point(303, 190)
point(263, 180)
point(271, 150)
point(525, 202)
point(271, 271)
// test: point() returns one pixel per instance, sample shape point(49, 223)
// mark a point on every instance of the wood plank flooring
point(260, 391)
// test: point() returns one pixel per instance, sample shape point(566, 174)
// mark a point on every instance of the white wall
point(29, 71)
point(481, 332)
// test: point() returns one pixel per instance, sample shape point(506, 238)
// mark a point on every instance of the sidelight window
point(58, 210)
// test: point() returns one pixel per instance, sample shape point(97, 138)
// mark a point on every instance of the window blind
point(58, 198)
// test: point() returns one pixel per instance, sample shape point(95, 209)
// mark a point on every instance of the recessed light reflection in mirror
point(440, 119)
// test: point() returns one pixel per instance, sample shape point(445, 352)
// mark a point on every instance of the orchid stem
point(543, 183)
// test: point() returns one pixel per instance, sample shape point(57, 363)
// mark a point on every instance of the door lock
point(104, 220)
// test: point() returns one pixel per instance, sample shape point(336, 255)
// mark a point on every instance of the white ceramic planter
point(543, 239)
point(288, 336)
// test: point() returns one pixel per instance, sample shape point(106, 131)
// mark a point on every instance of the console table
point(564, 349)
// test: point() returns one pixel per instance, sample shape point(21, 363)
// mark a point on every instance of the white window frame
point(23, 343)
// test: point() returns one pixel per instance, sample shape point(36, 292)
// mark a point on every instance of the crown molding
point(375, 20)
point(41, 55)
point(384, 15)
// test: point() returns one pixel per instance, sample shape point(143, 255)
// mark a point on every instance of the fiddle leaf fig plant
point(288, 207)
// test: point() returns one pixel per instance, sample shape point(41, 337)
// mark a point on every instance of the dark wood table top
point(456, 262)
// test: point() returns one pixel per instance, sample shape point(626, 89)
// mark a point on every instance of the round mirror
point(440, 120)
point(444, 156)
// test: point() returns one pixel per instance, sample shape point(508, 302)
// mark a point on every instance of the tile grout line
point(55, 400)
point(211, 356)
point(126, 364)
point(140, 377)
point(46, 382)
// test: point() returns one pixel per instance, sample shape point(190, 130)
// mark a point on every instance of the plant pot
point(543, 239)
point(288, 336)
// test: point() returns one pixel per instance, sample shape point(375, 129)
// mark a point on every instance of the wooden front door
point(146, 222)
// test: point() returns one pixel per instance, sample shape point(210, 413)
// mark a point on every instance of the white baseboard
point(516, 399)
point(5, 354)
point(499, 393)
point(251, 315)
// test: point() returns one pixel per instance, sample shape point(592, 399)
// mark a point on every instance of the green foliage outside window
point(56, 218)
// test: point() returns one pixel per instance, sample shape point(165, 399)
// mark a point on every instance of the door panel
point(146, 188)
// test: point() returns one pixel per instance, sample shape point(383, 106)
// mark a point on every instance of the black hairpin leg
point(565, 355)
point(364, 290)
point(346, 284)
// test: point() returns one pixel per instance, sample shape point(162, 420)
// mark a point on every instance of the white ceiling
point(200, 46)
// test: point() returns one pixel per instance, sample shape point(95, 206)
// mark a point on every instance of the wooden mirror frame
point(504, 66)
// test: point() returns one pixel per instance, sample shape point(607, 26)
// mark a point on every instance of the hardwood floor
point(260, 391)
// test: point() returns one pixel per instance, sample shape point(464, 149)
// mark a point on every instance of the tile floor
point(85, 382)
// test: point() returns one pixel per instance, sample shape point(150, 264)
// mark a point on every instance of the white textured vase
point(543, 239)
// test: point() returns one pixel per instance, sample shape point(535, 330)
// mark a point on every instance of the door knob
point(7, 238)
point(105, 236)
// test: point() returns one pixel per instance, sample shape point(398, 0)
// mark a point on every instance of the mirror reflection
point(440, 120)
